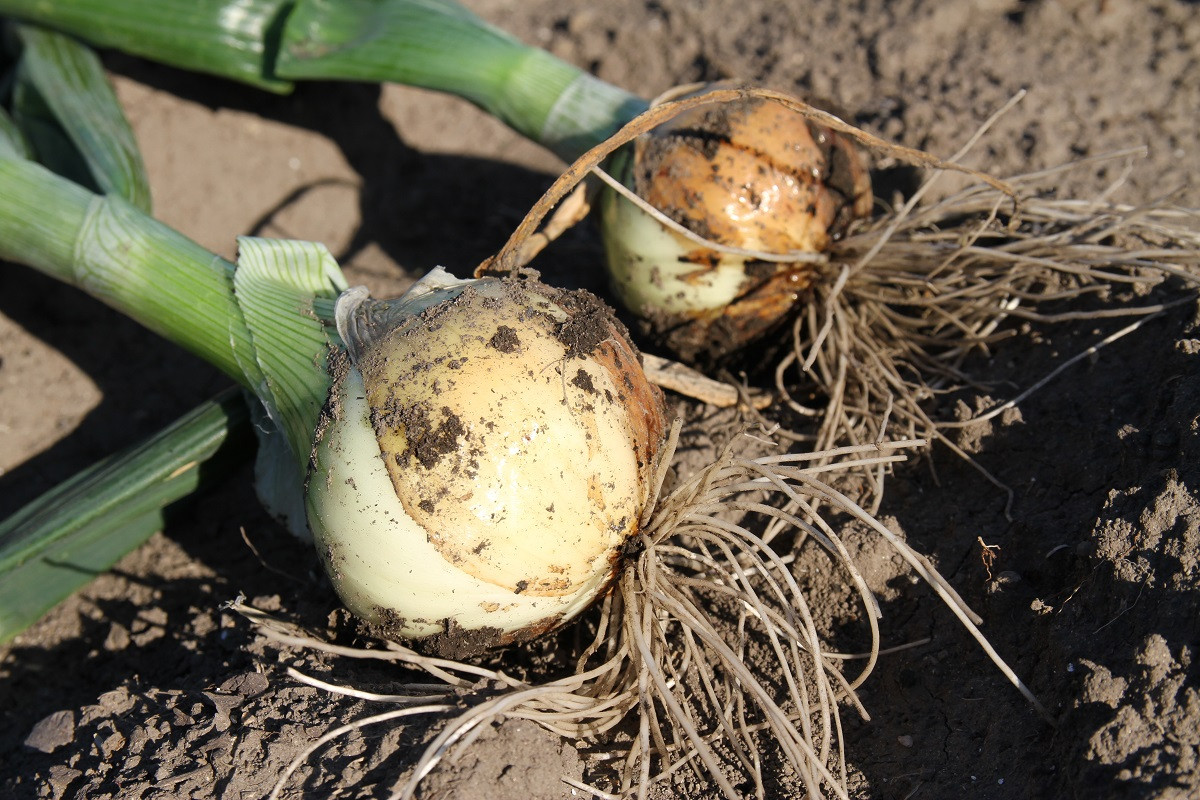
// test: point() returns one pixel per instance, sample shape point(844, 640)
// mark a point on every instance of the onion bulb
point(750, 175)
point(486, 451)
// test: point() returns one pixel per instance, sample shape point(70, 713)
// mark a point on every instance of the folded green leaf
point(277, 286)
point(48, 143)
point(70, 83)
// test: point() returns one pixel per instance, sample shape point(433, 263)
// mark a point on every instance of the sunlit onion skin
point(750, 174)
point(510, 438)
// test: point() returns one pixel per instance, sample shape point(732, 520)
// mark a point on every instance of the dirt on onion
point(145, 684)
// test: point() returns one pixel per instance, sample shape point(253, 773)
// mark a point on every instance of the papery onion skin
point(751, 174)
point(514, 437)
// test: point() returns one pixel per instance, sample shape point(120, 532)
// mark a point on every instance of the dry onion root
point(882, 312)
point(658, 653)
point(909, 296)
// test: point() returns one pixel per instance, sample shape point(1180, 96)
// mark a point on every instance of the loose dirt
point(142, 686)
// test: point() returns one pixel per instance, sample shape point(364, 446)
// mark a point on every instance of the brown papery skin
point(616, 353)
point(755, 175)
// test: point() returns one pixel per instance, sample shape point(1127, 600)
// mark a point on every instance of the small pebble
point(52, 732)
point(61, 778)
point(249, 684)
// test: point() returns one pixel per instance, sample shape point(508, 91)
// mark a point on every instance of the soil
point(143, 686)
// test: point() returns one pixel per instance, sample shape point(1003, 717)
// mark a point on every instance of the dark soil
point(142, 686)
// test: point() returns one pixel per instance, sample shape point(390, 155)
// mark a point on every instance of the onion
point(486, 452)
point(752, 175)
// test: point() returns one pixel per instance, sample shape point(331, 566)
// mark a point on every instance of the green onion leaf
point(74, 532)
point(127, 259)
point(48, 143)
point(437, 44)
point(69, 79)
point(230, 38)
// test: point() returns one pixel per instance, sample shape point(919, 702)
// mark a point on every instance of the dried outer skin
point(753, 174)
point(514, 438)
point(750, 174)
